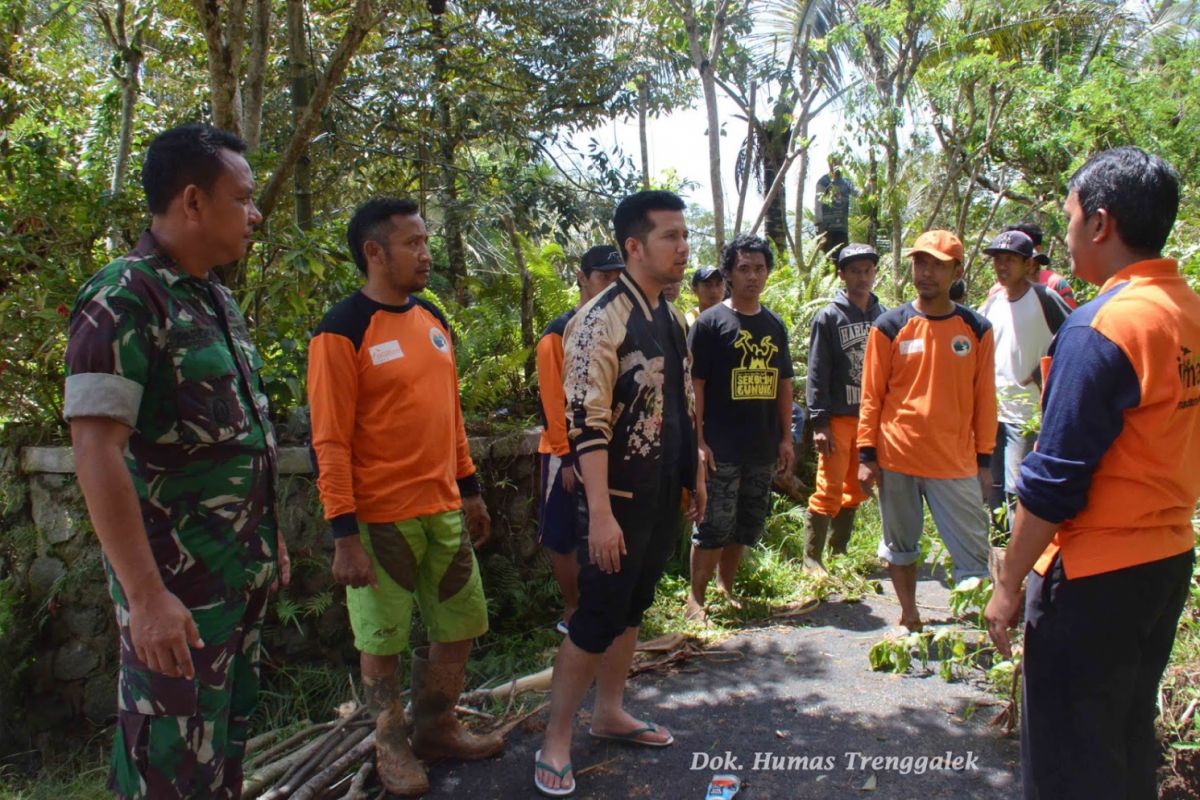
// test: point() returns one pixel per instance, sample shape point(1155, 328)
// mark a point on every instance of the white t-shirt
point(1022, 335)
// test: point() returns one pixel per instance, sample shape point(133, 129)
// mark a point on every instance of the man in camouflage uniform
point(176, 458)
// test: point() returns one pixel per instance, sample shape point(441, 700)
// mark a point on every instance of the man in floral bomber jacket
point(630, 417)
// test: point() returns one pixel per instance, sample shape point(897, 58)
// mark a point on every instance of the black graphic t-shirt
point(743, 360)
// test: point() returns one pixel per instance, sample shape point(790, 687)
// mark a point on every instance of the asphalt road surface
point(795, 710)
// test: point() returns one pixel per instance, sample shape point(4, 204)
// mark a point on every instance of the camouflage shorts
point(739, 497)
point(185, 738)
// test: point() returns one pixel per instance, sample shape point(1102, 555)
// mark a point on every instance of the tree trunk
point(872, 191)
point(705, 64)
point(361, 21)
point(456, 247)
point(447, 147)
point(301, 75)
point(643, 109)
point(798, 225)
point(775, 159)
point(893, 202)
point(256, 71)
point(973, 255)
point(129, 56)
point(130, 89)
point(527, 337)
point(747, 159)
point(225, 42)
point(714, 156)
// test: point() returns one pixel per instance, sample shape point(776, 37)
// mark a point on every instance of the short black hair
point(372, 223)
point(1030, 229)
point(183, 156)
point(1139, 191)
point(745, 243)
point(632, 217)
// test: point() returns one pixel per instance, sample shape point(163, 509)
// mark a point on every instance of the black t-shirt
point(674, 399)
point(742, 359)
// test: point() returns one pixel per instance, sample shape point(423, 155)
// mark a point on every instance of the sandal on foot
point(635, 736)
point(561, 627)
point(552, 791)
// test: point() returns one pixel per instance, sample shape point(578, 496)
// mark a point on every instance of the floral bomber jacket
point(613, 379)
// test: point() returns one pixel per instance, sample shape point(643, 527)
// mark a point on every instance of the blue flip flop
point(551, 791)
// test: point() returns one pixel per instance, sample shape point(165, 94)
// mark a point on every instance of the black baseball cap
point(1030, 229)
point(602, 257)
point(702, 274)
point(854, 251)
point(1011, 242)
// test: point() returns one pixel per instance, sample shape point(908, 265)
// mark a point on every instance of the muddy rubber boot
point(816, 527)
point(840, 530)
point(399, 770)
point(436, 732)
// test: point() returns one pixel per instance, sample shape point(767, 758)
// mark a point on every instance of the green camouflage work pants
point(185, 738)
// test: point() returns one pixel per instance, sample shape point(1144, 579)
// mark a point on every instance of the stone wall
point(57, 635)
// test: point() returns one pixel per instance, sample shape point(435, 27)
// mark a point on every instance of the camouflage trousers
point(185, 738)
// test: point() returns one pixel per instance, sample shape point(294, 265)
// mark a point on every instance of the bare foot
point(694, 612)
point(915, 625)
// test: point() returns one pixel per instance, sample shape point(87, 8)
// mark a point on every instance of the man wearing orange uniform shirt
point(1105, 501)
point(395, 475)
point(927, 422)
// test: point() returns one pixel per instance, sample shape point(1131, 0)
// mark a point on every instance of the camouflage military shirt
point(170, 355)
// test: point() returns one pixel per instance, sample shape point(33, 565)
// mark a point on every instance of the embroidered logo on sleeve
point(385, 352)
point(439, 340)
point(910, 347)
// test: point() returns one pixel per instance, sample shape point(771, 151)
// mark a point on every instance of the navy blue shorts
point(556, 508)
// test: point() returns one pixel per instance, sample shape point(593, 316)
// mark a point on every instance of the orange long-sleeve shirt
point(550, 387)
point(387, 427)
point(928, 394)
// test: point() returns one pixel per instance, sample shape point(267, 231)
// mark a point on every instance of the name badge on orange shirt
point(385, 352)
point(910, 346)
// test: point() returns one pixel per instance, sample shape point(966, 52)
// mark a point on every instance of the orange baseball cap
point(942, 245)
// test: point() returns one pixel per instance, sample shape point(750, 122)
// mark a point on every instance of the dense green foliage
point(476, 112)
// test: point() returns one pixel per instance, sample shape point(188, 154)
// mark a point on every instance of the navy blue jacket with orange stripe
point(1117, 462)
